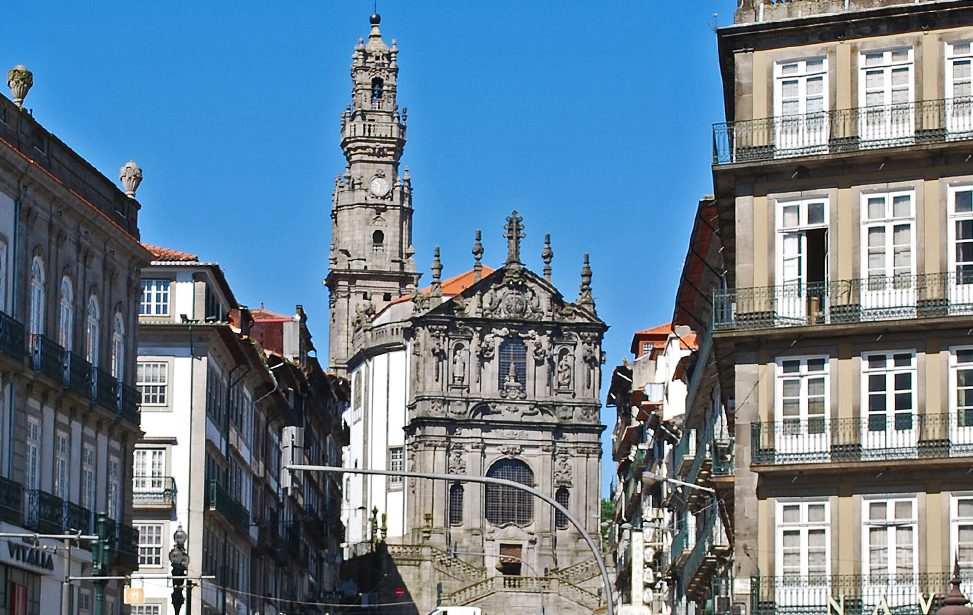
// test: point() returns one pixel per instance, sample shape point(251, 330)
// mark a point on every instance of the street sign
point(134, 595)
point(399, 592)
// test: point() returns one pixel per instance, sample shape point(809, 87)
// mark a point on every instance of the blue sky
point(592, 119)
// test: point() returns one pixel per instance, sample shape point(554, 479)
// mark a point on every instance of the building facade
point(69, 266)
point(226, 393)
point(840, 329)
point(489, 373)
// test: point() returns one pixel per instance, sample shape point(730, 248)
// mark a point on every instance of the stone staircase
point(550, 585)
point(578, 573)
point(442, 561)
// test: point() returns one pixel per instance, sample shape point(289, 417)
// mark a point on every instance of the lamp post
point(180, 562)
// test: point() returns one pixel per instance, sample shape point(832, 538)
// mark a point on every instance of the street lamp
point(180, 562)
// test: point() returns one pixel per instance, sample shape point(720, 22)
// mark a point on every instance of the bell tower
point(371, 260)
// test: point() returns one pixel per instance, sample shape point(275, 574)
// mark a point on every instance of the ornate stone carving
point(459, 365)
point(562, 470)
point(130, 176)
point(565, 370)
point(456, 460)
point(512, 450)
point(20, 81)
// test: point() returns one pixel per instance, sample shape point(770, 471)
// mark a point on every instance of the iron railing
point(77, 373)
point(13, 337)
point(11, 501)
point(44, 513)
point(153, 492)
point(843, 130)
point(48, 356)
point(76, 518)
point(844, 301)
point(723, 456)
point(127, 546)
point(104, 388)
point(685, 449)
point(857, 594)
point(874, 438)
point(129, 399)
point(713, 536)
point(223, 503)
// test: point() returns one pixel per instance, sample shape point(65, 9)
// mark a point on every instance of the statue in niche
point(564, 371)
point(459, 366)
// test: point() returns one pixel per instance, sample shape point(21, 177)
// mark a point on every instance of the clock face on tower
point(379, 186)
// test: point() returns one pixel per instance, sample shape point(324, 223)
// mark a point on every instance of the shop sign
point(837, 607)
point(28, 554)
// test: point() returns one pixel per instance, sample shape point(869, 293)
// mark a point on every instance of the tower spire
point(514, 233)
point(437, 271)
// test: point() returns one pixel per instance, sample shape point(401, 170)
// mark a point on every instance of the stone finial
point(131, 177)
point(477, 254)
point(20, 81)
point(584, 296)
point(514, 232)
point(437, 271)
point(547, 254)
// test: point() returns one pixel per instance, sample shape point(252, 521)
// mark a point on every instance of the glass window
point(36, 298)
point(155, 298)
point(151, 380)
point(146, 609)
point(92, 331)
point(396, 464)
point(513, 364)
point(561, 496)
point(802, 539)
point(961, 236)
point(962, 530)
point(118, 348)
point(889, 536)
point(88, 477)
point(890, 391)
point(3, 277)
point(506, 505)
point(114, 488)
point(887, 238)
point(65, 328)
point(61, 465)
point(456, 504)
point(149, 469)
point(150, 544)
point(33, 453)
point(803, 391)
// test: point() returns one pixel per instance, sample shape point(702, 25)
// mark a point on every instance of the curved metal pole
point(486, 480)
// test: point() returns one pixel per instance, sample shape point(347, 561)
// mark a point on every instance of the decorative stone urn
point(131, 177)
point(20, 81)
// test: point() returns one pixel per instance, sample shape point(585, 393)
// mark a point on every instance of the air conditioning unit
point(292, 453)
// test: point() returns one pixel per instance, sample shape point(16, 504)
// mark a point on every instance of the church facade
point(489, 373)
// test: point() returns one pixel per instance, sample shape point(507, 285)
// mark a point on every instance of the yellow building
point(843, 334)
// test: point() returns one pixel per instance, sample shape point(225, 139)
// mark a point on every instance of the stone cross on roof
point(514, 233)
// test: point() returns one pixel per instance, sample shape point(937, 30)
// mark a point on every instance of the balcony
point(128, 403)
point(153, 492)
point(104, 388)
point(44, 512)
point(77, 373)
point(126, 550)
point(723, 457)
point(860, 595)
point(11, 501)
point(221, 501)
point(684, 453)
point(875, 438)
point(13, 337)
point(701, 562)
point(877, 298)
point(683, 544)
point(76, 518)
point(844, 130)
point(47, 356)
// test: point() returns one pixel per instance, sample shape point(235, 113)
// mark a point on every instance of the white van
point(457, 610)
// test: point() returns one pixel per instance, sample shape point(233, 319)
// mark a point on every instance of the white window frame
point(804, 526)
point(93, 331)
point(959, 106)
point(152, 537)
point(62, 449)
point(149, 470)
point(396, 464)
point(793, 297)
point(65, 325)
point(965, 550)
point(88, 476)
point(894, 526)
point(32, 469)
point(960, 417)
point(147, 609)
point(890, 287)
point(118, 348)
point(84, 602)
point(155, 297)
point(152, 382)
point(960, 272)
point(888, 119)
point(37, 298)
point(897, 435)
point(113, 494)
point(808, 127)
point(803, 437)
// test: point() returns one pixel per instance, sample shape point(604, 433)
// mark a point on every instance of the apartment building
point(840, 330)
point(69, 268)
point(226, 394)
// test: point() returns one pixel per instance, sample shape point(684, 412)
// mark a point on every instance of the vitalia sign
point(29, 555)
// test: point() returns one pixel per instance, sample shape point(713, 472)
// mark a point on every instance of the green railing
point(221, 501)
point(874, 438)
point(704, 545)
point(843, 130)
point(723, 456)
point(856, 594)
point(13, 337)
point(685, 447)
point(844, 301)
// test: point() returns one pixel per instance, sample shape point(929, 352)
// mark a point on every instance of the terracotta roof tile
point(165, 254)
point(262, 313)
point(453, 286)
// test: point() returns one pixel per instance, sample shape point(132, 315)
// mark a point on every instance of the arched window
point(36, 298)
point(377, 87)
point(560, 519)
point(378, 238)
point(92, 331)
point(505, 504)
point(513, 364)
point(456, 504)
point(65, 325)
point(118, 348)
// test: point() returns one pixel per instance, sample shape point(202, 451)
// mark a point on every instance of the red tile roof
point(262, 313)
point(453, 286)
point(165, 254)
point(658, 336)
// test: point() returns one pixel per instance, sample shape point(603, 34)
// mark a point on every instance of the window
point(149, 470)
point(378, 238)
point(88, 477)
point(118, 348)
point(396, 464)
point(92, 331)
point(890, 399)
point(84, 602)
point(358, 399)
point(146, 609)
point(963, 383)
point(802, 539)
point(802, 400)
point(560, 519)
point(61, 465)
point(33, 453)
point(155, 298)
point(215, 396)
point(65, 325)
point(961, 241)
point(378, 85)
point(888, 234)
point(885, 94)
point(456, 504)
point(151, 379)
point(961, 513)
point(802, 257)
point(36, 298)
point(889, 534)
point(513, 364)
point(505, 504)
point(959, 118)
point(150, 544)
point(114, 488)
point(801, 103)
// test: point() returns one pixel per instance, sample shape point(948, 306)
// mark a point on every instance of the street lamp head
point(180, 537)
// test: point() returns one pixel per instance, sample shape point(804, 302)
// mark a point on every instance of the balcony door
point(961, 405)
point(890, 430)
point(885, 97)
point(802, 262)
point(802, 429)
point(960, 231)
point(889, 559)
point(803, 561)
point(888, 258)
point(959, 104)
point(150, 470)
point(801, 107)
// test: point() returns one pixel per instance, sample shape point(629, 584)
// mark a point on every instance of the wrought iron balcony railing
point(104, 388)
point(153, 492)
point(77, 518)
point(875, 438)
point(223, 503)
point(47, 355)
point(13, 337)
point(77, 373)
point(127, 546)
point(44, 512)
point(723, 457)
point(11, 501)
point(858, 595)
point(843, 130)
point(129, 399)
point(877, 298)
